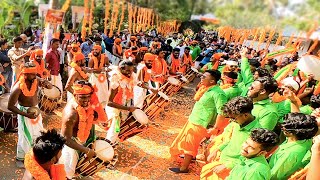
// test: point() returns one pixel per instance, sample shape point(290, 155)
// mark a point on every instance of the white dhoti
point(115, 116)
point(28, 131)
point(139, 95)
point(103, 90)
point(69, 158)
point(197, 64)
point(57, 81)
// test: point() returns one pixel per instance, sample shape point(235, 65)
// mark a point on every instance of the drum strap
point(25, 128)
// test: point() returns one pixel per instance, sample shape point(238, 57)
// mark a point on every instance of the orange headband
point(144, 49)
point(80, 89)
point(117, 40)
point(38, 52)
point(133, 38)
point(149, 56)
point(73, 45)
point(97, 47)
point(77, 57)
point(29, 70)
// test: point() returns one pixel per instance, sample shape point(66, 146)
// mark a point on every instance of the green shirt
point(194, 51)
point(283, 107)
point(266, 113)
point(307, 109)
point(256, 168)
point(208, 107)
point(289, 158)
point(247, 76)
point(230, 151)
point(232, 92)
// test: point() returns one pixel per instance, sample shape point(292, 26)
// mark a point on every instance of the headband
point(77, 57)
point(74, 45)
point(29, 70)
point(232, 63)
point(38, 52)
point(117, 40)
point(81, 89)
point(291, 82)
point(144, 49)
point(97, 47)
point(149, 56)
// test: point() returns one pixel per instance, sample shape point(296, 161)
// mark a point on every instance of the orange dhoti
point(188, 140)
point(208, 174)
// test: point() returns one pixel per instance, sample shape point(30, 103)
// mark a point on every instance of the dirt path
point(145, 156)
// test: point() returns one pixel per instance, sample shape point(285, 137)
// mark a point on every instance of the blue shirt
point(86, 48)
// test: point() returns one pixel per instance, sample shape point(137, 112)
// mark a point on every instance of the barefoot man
point(98, 77)
point(24, 92)
point(77, 126)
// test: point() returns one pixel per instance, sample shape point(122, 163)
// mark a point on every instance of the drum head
point(163, 95)
point(184, 79)
point(194, 69)
point(173, 81)
point(103, 150)
point(140, 116)
point(4, 99)
point(53, 93)
point(34, 110)
point(310, 65)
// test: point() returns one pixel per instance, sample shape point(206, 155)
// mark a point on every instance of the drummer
point(24, 92)
point(144, 77)
point(174, 61)
point(77, 126)
point(122, 81)
point(160, 69)
point(37, 59)
point(186, 61)
point(76, 73)
point(97, 64)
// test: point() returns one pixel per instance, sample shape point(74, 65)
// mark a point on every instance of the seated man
point(41, 162)
point(239, 109)
point(299, 129)
point(253, 163)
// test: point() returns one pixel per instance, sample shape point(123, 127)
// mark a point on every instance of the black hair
point(125, 63)
point(134, 48)
point(47, 146)
point(300, 125)
point(254, 62)
point(176, 50)
point(315, 101)
point(215, 74)
point(17, 39)
point(266, 138)
point(169, 41)
point(3, 41)
point(263, 72)
point(187, 48)
point(268, 83)
point(238, 105)
point(53, 40)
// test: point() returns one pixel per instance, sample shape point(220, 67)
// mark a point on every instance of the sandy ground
point(144, 156)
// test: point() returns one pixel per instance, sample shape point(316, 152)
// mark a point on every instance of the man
point(41, 162)
point(253, 163)
point(131, 53)
point(77, 126)
point(186, 60)
point(37, 59)
point(17, 55)
point(214, 64)
point(159, 69)
point(74, 50)
point(53, 63)
point(122, 81)
point(5, 62)
point(140, 55)
point(206, 111)
point(167, 48)
point(292, 154)
point(239, 110)
point(86, 48)
point(97, 64)
point(264, 110)
point(76, 73)
point(194, 50)
point(117, 51)
point(144, 77)
point(24, 92)
point(24, 42)
point(174, 62)
point(174, 41)
point(132, 42)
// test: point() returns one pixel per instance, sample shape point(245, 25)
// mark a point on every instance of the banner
point(42, 10)
point(54, 16)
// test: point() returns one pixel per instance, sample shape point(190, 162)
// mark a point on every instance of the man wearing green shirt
point(263, 109)
point(195, 50)
point(299, 129)
point(239, 110)
point(314, 104)
point(253, 165)
point(207, 110)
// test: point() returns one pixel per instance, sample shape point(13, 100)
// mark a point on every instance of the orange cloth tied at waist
point(208, 174)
